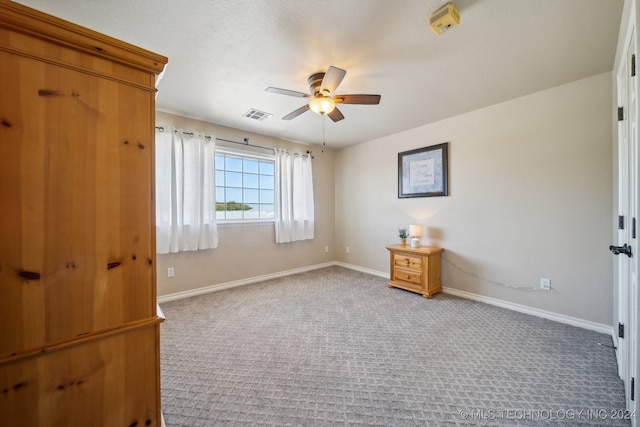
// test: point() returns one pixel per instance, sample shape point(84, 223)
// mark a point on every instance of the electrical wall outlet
point(348, 249)
point(326, 249)
point(545, 284)
point(170, 272)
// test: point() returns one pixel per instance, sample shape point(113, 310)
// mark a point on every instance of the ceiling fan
point(322, 99)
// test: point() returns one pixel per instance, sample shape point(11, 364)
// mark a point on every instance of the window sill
point(244, 222)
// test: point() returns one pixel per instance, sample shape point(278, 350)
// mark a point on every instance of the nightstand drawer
point(411, 276)
point(406, 261)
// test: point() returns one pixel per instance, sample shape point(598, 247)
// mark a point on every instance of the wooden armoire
point(79, 327)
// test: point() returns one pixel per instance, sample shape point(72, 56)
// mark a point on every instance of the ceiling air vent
point(257, 115)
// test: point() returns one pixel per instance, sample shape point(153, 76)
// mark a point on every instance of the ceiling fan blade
point(336, 115)
point(296, 113)
point(331, 80)
point(357, 99)
point(286, 92)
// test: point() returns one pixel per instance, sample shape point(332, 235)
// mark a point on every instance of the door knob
point(624, 249)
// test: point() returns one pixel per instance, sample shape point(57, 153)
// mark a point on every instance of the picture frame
point(424, 172)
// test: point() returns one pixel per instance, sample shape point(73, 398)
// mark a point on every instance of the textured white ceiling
point(224, 53)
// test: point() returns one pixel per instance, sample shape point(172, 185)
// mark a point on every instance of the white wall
point(530, 197)
point(249, 250)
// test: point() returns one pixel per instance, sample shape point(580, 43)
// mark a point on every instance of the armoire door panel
point(85, 385)
point(80, 188)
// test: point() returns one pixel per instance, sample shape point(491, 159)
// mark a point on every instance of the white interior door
point(625, 246)
point(622, 263)
point(630, 227)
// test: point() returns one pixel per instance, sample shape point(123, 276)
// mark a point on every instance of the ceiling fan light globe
point(322, 105)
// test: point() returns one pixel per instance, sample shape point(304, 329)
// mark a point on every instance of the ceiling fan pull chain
point(324, 140)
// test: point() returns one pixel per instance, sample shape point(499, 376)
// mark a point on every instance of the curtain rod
point(245, 143)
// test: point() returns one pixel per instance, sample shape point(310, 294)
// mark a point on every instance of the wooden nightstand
point(415, 269)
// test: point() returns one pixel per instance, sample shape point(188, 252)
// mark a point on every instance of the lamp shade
point(322, 105)
point(415, 230)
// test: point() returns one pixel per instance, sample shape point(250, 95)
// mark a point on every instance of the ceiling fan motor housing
point(315, 82)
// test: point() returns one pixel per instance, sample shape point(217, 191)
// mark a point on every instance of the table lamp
point(415, 231)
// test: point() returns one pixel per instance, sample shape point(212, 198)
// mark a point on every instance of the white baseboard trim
point(242, 282)
point(574, 321)
point(581, 323)
point(363, 269)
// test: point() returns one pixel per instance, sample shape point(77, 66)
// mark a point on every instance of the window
point(244, 186)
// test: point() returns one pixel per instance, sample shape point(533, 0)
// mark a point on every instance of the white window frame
point(251, 155)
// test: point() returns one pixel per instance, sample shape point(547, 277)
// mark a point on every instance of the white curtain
point(294, 197)
point(185, 191)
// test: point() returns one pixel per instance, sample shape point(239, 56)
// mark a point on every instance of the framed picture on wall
point(423, 172)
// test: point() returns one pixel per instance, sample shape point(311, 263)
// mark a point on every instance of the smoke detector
point(444, 18)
